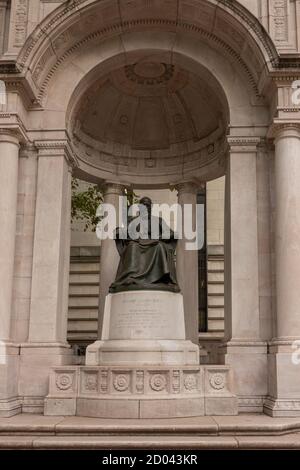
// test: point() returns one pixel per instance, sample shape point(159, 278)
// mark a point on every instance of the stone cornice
point(240, 144)
point(11, 122)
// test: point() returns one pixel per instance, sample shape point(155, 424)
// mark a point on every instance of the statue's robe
point(145, 263)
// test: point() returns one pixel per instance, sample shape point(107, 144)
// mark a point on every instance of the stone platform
point(141, 392)
point(27, 431)
point(143, 366)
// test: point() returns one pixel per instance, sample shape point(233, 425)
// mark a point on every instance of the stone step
point(83, 314)
point(83, 326)
point(215, 276)
point(83, 289)
point(213, 265)
point(86, 302)
point(215, 325)
point(215, 301)
point(215, 288)
point(84, 267)
point(243, 431)
point(84, 278)
point(80, 336)
point(215, 312)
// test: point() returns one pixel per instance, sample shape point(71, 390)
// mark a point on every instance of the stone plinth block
point(141, 392)
point(143, 327)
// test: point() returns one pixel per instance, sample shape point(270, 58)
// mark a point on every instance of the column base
point(36, 361)
point(9, 374)
point(248, 360)
point(141, 392)
point(10, 407)
point(280, 408)
point(284, 380)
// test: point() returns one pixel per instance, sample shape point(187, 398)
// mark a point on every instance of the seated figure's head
point(146, 201)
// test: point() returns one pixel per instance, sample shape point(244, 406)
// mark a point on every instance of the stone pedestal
point(143, 367)
point(143, 327)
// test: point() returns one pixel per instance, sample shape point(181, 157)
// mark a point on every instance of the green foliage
point(86, 202)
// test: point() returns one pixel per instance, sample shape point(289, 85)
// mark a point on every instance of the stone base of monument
point(143, 366)
point(143, 392)
point(143, 327)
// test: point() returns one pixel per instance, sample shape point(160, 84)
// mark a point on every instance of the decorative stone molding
point(239, 144)
point(251, 404)
point(279, 407)
point(217, 381)
point(190, 382)
point(12, 125)
point(64, 381)
point(42, 83)
point(139, 381)
point(68, 12)
point(199, 156)
point(141, 387)
point(63, 13)
point(158, 382)
point(10, 406)
point(91, 382)
point(121, 382)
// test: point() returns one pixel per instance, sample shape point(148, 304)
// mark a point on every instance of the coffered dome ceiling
point(148, 106)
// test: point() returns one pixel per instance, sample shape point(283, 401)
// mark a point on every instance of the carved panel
point(139, 381)
point(63, 381)
point(190, 382)
point(280, 12)
point(104, 381)
point(121, 382)
point(90, 382)
point(158, 382)
point(176, 381)
point(21, 17)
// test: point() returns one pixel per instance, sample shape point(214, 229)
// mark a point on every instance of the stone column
point(187, 266)
point(9, 155)
point(47, 342)
point(284, 363)
point(243, 350)
point(109, 257)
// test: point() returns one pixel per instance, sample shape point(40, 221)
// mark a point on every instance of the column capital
point(111, 187)
point(243, 144)
point(57, 148)
point(282, 130)
point(9, 136)
point(187, 187)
